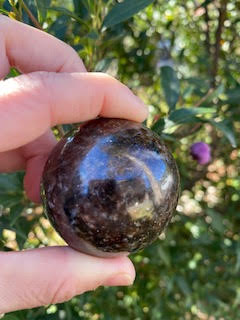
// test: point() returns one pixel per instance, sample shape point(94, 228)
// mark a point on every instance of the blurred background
point(182, 57)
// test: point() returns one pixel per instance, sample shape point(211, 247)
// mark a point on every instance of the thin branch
point(31, 16)
point(204, 98)
point(207, 41)
point(217, 47)
point(185, 130)
point(198, 175)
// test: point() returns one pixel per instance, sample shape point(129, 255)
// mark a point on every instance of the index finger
point(29, 49)
point(31, 104)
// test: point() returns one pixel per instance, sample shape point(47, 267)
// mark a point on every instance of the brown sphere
point(110, 187)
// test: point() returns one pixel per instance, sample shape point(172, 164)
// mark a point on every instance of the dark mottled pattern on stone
point(110, 186)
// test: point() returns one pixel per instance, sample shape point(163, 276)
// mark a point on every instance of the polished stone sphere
point(110, 187)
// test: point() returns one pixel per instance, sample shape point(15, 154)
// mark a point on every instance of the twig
point(222, 16)
point(31, 16)
point(207, 41)
point(198, 175)
point(204, 98)
point(185, 131)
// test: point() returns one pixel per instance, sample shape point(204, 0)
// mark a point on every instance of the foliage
point(182, 58)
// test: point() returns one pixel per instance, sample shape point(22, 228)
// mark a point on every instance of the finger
point(31, 157)
point(16, 159)
point(51, 275)
point(11, 161)
point(42, 52)
point(50, 54)
point(31, 104)
point(36, 154)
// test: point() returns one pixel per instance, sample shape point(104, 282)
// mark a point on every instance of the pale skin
point(54, 89)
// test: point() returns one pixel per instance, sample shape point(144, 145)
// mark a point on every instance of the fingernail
point(121, 279)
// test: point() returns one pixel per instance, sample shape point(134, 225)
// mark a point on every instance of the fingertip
point(117, 100)
point(144, 109)
point(127, 266)
point(115, 271)
point(125, 274)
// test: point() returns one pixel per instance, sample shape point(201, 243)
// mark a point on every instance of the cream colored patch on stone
point(141, 210)
point(167, 182)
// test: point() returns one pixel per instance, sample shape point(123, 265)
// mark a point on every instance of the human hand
point(54, 89)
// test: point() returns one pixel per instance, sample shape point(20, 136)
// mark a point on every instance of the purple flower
point(201, 152)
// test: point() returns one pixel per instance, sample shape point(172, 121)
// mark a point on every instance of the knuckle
point(37, 86)
point(33, 83)
point(64, 286)
point(40, 79)
point(71, 61)
point(63, 291)
point(40, 83)
point(108, 80)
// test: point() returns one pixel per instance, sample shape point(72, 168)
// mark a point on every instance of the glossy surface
point(110, 187)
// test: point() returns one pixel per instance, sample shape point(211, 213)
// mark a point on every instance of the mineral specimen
point(110, 187)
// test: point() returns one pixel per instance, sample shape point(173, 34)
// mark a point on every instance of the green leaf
point(9, 200)
point(188, 92)
point(226, 127)
point(159, 126)
point(169, 137)
point(93, 35)
point(103, 65)
point(6, 6)
point(164, 255)
point(233, 95)
point(59, 27)
point(124, 10)
point(10, 183)
point(4, 11)
point(11, 189)
point(42, 6)
point(31, 4)
point(214, 94)
point(217, 223)
point(81, 8)
point(13, 73)
point(22, 229)
point(15, 213)
point(170, 85)
point(69, 14)
point(185, 115)
point(206, 3)
point(183, 285)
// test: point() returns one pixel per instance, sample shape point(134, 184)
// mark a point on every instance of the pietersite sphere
point(110, 187)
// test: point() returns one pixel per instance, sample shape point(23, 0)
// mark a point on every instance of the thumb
point(51, 275)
